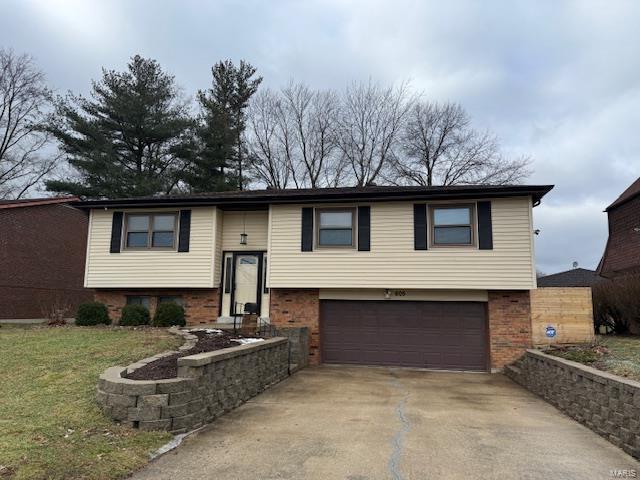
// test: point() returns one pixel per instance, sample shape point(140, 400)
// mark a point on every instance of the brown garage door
point(445, 335)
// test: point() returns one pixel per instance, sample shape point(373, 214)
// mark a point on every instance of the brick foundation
point(296, 307)
point(200, 305)
point(509, 326)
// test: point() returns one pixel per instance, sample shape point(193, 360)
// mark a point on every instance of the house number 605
point(399, 293)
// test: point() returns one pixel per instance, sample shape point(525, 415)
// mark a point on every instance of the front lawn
point(619, 355)
point(50, 426)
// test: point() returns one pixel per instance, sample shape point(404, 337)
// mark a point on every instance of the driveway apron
point(357, 423)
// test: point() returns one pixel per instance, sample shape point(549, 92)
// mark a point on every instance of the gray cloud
point(558, 81)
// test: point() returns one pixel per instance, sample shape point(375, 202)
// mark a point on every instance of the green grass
point(50, 425)
point(623, 356)
point(619, 355)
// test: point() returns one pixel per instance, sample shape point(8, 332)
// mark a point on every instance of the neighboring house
point(42, 258)
point(433, 277)
point(576, 277)
point(622, 252)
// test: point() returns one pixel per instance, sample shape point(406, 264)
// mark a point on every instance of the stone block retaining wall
point(607, 404)
point(298, 344)
point(208, 385)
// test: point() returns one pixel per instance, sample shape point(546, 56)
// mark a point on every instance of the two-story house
point(434, 277)
point(622, 252)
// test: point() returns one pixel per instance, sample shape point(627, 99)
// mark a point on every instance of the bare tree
point(269, 160)
point(292, 137)
point(440, 147)
point(24, 100)
point(369, 123)
point(312, 114)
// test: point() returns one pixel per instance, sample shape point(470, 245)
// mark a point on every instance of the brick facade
point(509, 326)
point(200, 305)
point(296, 307)
point(42, 257)
point(509, 315)
point(622, 252)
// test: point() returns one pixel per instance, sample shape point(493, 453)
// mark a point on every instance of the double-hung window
point(452, 225)
point(156, 230)
point(335, 227)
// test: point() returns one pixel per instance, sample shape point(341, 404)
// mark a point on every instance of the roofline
point(38, 202)
point(619, 202)
point(323, 196)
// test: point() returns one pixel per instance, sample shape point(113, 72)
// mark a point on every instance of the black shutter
point(420, 227)
point(227, 275)
point(364, 229)
point(116, 233)
point(485, 229)
point(264, 275)
point(185, 230)
point(307, 230)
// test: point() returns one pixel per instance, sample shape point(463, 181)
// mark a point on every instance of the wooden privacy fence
point(567, 310)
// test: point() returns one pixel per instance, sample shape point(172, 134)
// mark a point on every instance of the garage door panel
point(446, 335)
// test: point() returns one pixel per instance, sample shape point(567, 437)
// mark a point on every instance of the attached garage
point(426, 334)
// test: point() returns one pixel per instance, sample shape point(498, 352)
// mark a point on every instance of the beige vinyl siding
point(151, 268)
point(218, 260)
point(255, 224)
point(393, 262)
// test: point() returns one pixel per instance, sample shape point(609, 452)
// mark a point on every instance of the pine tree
point(132, 137)
point(221, 159)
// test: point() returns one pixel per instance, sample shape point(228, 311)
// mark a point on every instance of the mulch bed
point(591, 355)
point(167, 367)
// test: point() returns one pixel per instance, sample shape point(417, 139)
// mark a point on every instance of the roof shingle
point(577, 277)
point(631, 192)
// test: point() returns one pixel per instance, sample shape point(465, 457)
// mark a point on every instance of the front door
point(246, 281)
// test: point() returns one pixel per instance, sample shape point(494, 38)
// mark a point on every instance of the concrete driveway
point(358, 423)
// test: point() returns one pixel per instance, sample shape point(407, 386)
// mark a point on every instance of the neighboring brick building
point(42, 257)
point(622, 252)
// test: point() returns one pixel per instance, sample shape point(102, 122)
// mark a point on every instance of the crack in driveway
point(397, 442)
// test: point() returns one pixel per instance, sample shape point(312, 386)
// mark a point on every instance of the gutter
point(252, 200)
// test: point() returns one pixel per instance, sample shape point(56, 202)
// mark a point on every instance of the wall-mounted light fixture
point(387, 293)
point(243, 235)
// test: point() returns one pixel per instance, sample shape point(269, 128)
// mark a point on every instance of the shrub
point(92, 313)
point(56, 311)
point(168, 314)
point(134, 315)
point(616, 304)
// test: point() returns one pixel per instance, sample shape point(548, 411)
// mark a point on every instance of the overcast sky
point(558, 81)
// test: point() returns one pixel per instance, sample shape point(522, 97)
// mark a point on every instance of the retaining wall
point(607, 404)
point(208, 385)
point(298, 344)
